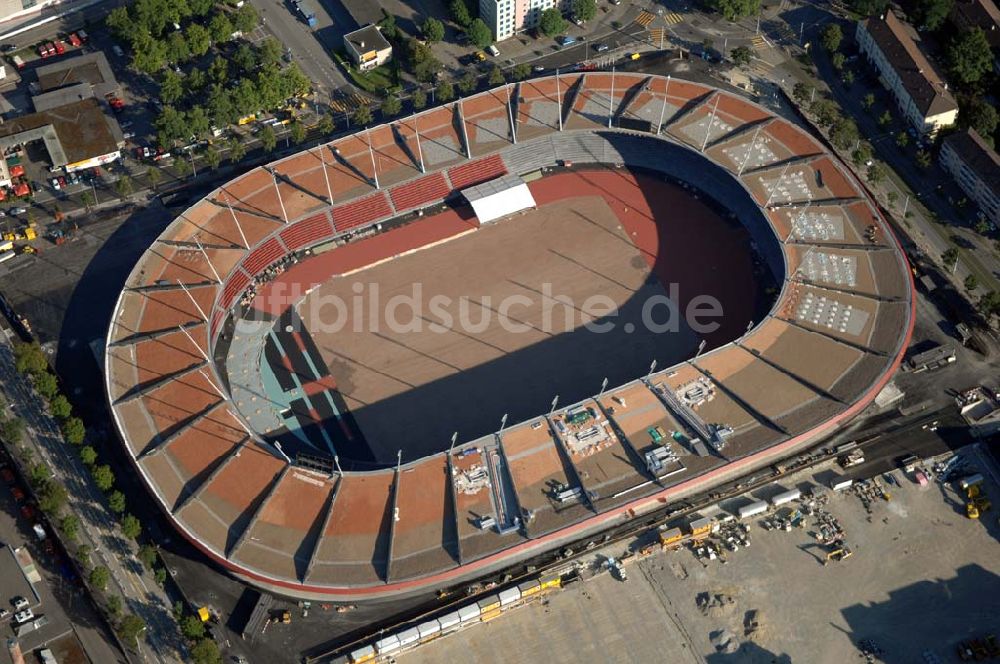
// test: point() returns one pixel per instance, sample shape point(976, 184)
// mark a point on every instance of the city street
point(98, 528)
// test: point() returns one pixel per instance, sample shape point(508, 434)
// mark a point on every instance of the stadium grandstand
point(260, 455)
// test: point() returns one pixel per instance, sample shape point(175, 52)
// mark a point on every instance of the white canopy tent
point(499, 198)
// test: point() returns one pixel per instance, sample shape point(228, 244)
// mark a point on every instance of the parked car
point(55, 184)
point(19, 210)
point(494, 51)
point(600, 48)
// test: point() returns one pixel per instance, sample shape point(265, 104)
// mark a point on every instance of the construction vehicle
point(286, 617)
point(976, 502)
point(751, 623)
point(839, 554)
point(854, 458)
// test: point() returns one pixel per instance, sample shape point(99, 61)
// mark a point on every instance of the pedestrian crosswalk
point(645, 18)
point(345, 103)
point(758, 42)
point(657, 36)
point(673, 19)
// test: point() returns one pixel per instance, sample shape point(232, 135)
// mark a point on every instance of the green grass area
point(376, 81)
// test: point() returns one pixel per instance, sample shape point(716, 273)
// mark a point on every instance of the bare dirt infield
point(600, 233)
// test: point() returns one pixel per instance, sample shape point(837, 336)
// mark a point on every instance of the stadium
point(314, 449)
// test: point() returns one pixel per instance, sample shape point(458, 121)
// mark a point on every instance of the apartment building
point(509, 17)
point(920, 93)
point(976, 168)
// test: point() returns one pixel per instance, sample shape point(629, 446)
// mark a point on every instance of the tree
point(73, 430)
point(171, 88)
point(969, 56)
point(236, 150)
point(70, 526)
point(220, 28)
point(459, 13)
point(131, 527)
point(87, 199)
point(445, 91)
point(83, 554)
point(153, 176)
point(39, 475)
point(876, 172)
point(885, 119)
point(479, 33)
point(869, 7)
point(838, 60)
point(868, 101)
point(734, 10)
point(468, 82)
point(931, 14)
point(496, 76)
point(362, 115)
point(923, 159)
point(862, 155)
point(115, 605)
point(88, 455)
point(170, 126)
point(147, 555)
point(826, 112)
point(30, 358)
point(421, 58)
point(60, 407)
point(891, 199)
point(325, 124)
point(177, 48)
point(245, 58)
point(192, 628)
point(130, 627)
point(831, 37)
point(246, 18)
point(844, 133)
point(205, 652)
point(433, 30)
point(124, 187)
point(199, 39)
point(971, 283)
point(989, 304)
point(297, 132)
point(212, 158)
point(584, 10)
point(116, 502)
point(551, 22)
point(741, 57)
point(418, 99)
point(198, 123)
point(12, 430)
point(981, 226)
point(522, 71)
point(950, 257)
point(268, 139)
point(46, 384)
point(269, 53)
point(52, 497)
point(99, 577)
point(802, 92)
point(977, 113)
point(391, 106)
point(103, 477)
point(160, 575)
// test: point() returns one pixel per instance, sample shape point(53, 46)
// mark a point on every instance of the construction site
point(780, 575)
point(335, 465)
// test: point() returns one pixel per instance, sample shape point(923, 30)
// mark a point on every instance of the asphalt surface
point(98, 528)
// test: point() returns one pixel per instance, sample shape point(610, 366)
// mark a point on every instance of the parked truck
point(308, 15)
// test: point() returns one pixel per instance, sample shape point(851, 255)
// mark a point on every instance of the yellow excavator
point(840, 554)
point(976, 502)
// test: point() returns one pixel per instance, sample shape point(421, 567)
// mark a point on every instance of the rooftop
point(900, 44)
point(978, 156)
point(366, 39)
point(92, 69)
point(74, 132)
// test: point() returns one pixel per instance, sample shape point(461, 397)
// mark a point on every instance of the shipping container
point(971, 480)
point(469, 613)
point(786, 497)
point(753, 509)
point(672, 536)
point(509, 596)
point(488, 603)
point(490, 615)
point(387, 645)
point(449, 621)
point(429, 630)
point(365, 654)
point(529, 588)
point(550, 582)
point(408, 637)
